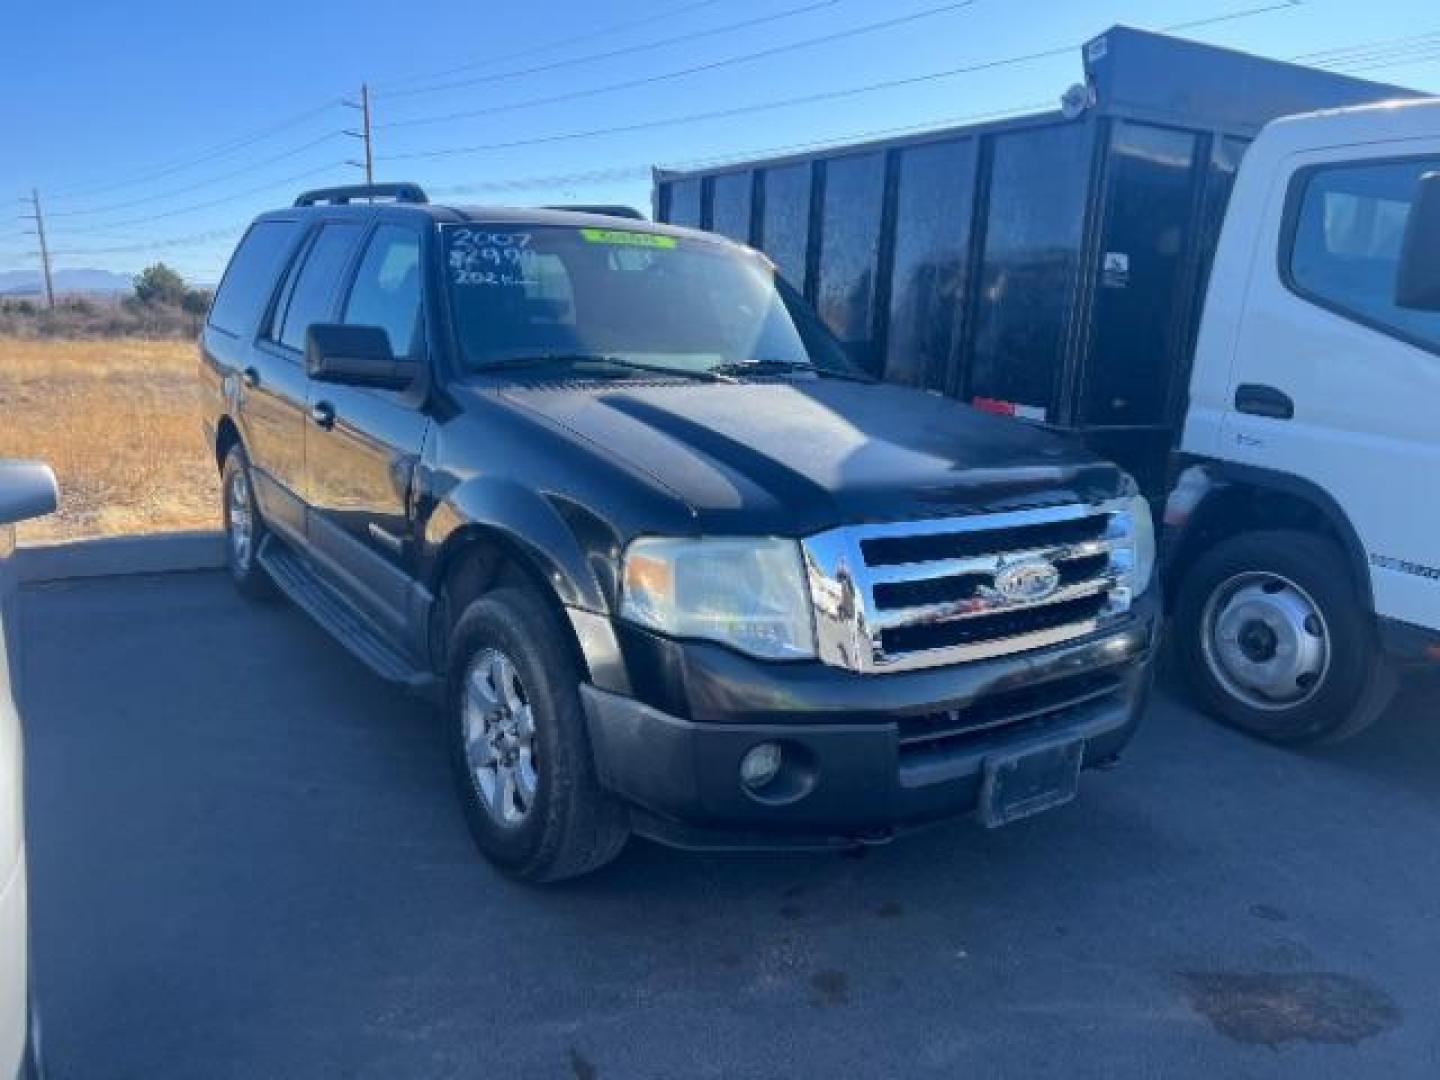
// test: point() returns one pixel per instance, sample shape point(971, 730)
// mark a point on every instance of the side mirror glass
point(356, 356)
point(1417, 281)
point(27, 490)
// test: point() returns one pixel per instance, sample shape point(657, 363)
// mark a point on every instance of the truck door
point(363, 445)
point(1335, 383)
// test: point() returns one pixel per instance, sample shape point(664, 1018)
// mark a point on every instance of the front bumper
point(876, 754)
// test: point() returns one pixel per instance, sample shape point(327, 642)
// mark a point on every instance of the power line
point(207, 155)
point(650, 80)
point(628, 50)
point(1321, 55)
point(174, 241)
point(602, 175)
point(638, 171)
point(803, 99)
point(286, 182)
point(535, 50)
point(251, 167)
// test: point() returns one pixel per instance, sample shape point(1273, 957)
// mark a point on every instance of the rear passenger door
point(361, 461)
point(275, 394)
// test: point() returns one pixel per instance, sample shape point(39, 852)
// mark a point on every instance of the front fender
point(548, 534)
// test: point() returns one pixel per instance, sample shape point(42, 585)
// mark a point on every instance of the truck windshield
point(537, 292)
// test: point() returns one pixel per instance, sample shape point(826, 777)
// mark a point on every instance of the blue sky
point(157, 129)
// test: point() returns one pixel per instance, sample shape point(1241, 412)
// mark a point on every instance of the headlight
point(750, 594)
point(1132, 530)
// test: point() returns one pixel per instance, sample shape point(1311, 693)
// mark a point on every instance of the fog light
point(760, 765)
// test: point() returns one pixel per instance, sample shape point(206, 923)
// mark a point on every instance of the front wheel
point(519, 746)
point(1275, 641)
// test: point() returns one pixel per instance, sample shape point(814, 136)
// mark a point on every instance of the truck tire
point(244, 528)
point(519, 745)
point(1275, 641)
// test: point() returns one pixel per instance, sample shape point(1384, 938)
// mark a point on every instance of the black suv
point(615, 495)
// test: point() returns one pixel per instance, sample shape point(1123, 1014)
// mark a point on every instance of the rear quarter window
point(250, 278)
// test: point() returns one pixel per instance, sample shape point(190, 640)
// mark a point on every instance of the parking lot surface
point(247, 861)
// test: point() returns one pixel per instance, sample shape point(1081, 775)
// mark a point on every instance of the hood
point(794, 456)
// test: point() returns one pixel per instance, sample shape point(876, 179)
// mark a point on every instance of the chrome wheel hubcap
point(1266, 641)
point(500, 737)
point(241, 523)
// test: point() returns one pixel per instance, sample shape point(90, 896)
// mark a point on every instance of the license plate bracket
point(1030, 780)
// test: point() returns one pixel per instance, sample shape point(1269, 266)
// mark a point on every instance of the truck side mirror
point(356, 356)
point(1417, 282)
point(27, 490)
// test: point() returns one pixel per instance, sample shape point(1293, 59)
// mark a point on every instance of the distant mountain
point(77, 280)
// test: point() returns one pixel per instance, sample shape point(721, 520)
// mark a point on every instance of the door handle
point(323, 413)
point(250, 377)
point(1260, 400)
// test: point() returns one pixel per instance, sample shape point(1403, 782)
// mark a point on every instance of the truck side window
point(317, 288)
point(251, 276)
point(1346, 247)
point(386, 292)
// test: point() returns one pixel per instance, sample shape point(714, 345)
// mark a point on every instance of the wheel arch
point(484, 540)
point(1212, 501)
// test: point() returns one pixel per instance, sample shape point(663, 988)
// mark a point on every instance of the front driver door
point(362, 445)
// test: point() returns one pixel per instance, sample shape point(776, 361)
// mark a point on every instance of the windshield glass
point(535, 291)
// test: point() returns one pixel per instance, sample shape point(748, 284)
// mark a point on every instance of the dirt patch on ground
point(117, 420)
point(1269, 1009)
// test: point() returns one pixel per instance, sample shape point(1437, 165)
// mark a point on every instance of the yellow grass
point(118, 422)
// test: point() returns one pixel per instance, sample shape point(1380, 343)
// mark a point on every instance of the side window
point(250, 278)
point(313, 296)
point(387, 289)
point(1349, 225)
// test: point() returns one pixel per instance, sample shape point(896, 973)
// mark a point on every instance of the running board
point(295, 577)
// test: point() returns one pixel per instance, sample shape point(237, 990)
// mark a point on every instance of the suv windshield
point(536, 292)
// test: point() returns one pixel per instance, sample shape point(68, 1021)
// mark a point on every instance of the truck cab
point(1302, 527)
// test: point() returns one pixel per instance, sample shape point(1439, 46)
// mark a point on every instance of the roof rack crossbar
point(343, 196)
point(613, 210)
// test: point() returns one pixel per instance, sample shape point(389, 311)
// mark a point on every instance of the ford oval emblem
point(1027, 581)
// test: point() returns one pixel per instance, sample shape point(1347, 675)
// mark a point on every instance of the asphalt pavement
point(247, 861)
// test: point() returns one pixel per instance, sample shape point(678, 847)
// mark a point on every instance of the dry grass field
point(118, 422)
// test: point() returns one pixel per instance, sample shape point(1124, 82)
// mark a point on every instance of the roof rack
point(606, 211)
point(343, 196)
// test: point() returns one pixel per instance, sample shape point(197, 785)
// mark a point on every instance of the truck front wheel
point(1275, 641)
point(519, 746)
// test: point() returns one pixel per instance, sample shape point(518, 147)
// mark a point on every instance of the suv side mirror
point(27, 490)
point(356, 356)
point(1417, 281)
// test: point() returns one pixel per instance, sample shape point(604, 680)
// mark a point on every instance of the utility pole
point(364, 133)
point(44, 250)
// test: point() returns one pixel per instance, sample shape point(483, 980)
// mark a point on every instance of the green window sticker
point(628, 239)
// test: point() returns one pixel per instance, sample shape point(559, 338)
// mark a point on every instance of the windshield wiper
point(772, 366)
point(513, 363)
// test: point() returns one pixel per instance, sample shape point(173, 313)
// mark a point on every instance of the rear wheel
point(1274, 640)
point(244, 528)
point(519, 746)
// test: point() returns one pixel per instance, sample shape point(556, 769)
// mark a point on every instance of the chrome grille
point(921, 594)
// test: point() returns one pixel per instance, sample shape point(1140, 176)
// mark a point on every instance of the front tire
point(244, 528)
point(1274, 640)
point(519, 745)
